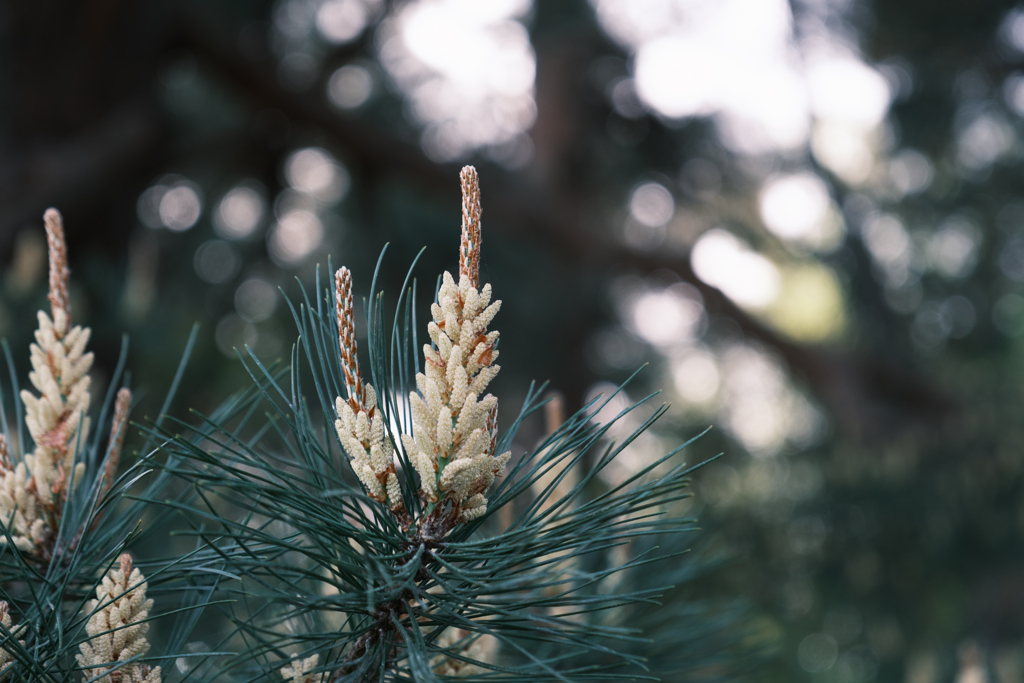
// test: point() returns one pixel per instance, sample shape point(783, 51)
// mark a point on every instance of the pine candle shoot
point(454, 427)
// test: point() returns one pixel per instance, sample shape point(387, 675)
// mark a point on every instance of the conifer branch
point(419, 588)
point(63, 537)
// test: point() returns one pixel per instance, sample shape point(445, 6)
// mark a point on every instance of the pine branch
point(399, 577)
point(62, 516)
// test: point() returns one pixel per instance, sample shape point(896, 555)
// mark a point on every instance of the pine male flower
point(55, 419)
point(6, 658)
point(117, 628)
point(19, 504)
point(360, 423)
point(454, 430)
point(298, 671)
point(60, 374)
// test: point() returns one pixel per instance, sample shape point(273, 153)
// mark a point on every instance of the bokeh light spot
point(952, 250)
point(295, 236)
point(652, 205)
point(798, 208)
point(735, 60)
point(983, 140)
point(810, 307)
point(467, 69)
point(846, 89)
point(255, 300)
point(910, 172)
point(173, 202)
point(846, 149)
point(697, 377)
point(1012, 29)
point(350, 86)
point(239, 212)
point(340, 21)
point(724, 261)
point(890, 246)
point(148, 206)
point(216, 262)
point(669, 316)
point(314, 171)
point(760, 408)
point(180, 207)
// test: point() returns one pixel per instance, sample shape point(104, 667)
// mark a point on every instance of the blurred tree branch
point(860, 392)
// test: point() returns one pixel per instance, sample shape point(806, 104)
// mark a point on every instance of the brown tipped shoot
point(469, 252)
point(117, 433)
point(347, 337)
point(6, 462)
point(126, 566)
point(60, 274)
point(492, 429)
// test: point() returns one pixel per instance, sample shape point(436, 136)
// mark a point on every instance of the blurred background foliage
point(805, 216)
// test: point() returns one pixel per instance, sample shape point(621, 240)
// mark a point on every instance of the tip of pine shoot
point(469, 252)
point(58, 256)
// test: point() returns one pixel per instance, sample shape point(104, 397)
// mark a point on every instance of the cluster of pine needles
point(347, 527)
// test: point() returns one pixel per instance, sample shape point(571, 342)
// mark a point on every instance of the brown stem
point(430, 532)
